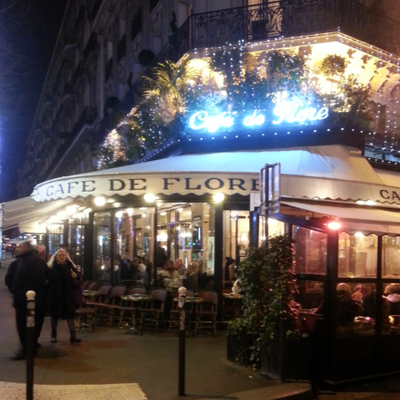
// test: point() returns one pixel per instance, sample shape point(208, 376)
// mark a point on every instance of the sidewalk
point(110, 364)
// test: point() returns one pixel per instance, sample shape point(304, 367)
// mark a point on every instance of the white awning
point(355, 218)
point(327, 172)
point(30, 215)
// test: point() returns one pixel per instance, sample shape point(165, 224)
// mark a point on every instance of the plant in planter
point(268, 283)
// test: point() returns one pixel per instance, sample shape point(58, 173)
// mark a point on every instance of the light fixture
point(142, 208)
point(180, 209)
point(149, 197)
point(62, 215)
point(110, 201)
point(366, 203)
point(119, 214)
point(218, 197)
point(99, 201)
point(72, 209)
point(87, 210)
point(359, 234)
point(334, 225)
point(129, 211)
point(163, 213)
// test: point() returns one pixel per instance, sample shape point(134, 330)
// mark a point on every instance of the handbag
point(78, 296)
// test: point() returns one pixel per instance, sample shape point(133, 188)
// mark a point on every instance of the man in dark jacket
point(27, 272)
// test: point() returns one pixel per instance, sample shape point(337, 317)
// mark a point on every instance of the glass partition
point(102, 256)
point(391, 257)
point(391, 305)
point(358, 255)
point(310, 251)
point(56, 237)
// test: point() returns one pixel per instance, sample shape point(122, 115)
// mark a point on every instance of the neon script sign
point(286, 111)
point(294, 111)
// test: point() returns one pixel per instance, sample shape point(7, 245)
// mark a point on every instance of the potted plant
point(267, 280)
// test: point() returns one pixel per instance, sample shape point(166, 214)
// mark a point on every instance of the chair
point(154, 308)
point(207, 310)
point(88, 310)
point(112, 302)
point(174, 316)
point(85, 284)
point(91, 285)
point(127, 306)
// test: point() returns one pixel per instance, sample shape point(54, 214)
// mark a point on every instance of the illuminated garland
point(231, 80)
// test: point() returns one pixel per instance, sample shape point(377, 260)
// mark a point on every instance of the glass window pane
point(357, 255)
point(275, 227)
point(102, 229)
point(391, 292)
point(355, 309)
point(309, 304)
point(310, 251)
point(390, 257)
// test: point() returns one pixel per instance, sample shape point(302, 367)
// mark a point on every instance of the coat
point(61, 290)
point(27, 272)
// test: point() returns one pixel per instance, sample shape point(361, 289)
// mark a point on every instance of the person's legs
point(39, 319)
point(71, 326)
point(20, 316)
point(54, 330)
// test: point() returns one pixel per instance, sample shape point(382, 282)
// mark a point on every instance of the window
point(357, 255)
point(310, 251)
point(153, 4)
point(136, 25)
point(390, 257)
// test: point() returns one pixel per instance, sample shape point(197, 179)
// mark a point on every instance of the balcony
point(91, 45)
point(285, 18)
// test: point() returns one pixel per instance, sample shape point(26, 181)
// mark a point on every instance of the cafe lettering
point(151, 183)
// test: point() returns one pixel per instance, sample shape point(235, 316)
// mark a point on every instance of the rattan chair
point(111, 303)
point(207, 310)
point(153, 309)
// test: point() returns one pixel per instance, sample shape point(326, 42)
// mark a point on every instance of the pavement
point(112, 364)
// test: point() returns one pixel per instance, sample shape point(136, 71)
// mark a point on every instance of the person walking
point(63, 280)
point(27, 272)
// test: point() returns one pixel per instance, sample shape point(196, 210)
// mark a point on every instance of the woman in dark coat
point(63, 280)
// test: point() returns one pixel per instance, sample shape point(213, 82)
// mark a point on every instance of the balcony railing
point(284, 19)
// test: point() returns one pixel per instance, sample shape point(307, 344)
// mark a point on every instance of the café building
point(198, 199)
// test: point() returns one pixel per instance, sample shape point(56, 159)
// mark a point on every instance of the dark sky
point(28, 30)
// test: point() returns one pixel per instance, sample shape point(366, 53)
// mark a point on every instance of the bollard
point(30, 342)
point(181, 374)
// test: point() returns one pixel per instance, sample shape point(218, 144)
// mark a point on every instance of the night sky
point(28, 32)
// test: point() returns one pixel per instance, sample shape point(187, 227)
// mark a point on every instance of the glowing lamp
point(99, 201)
point(62, 215)
point(218, 197)
point(334, 225)
point(119, 214)
point(149, 198)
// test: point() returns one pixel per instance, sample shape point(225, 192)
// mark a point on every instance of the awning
point(363, 219)
point(326, 172)
point(28, 215)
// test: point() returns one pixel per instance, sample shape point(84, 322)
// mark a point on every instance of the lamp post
point(181, 374)
point(30, 342)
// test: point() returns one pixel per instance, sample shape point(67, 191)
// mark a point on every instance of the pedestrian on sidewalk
point(27, 272)
point(63, 281)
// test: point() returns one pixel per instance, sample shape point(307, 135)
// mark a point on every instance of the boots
point(53, 331)
point(71, 325)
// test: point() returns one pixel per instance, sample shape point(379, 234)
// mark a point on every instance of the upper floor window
point(153, 4)
point(136, 25)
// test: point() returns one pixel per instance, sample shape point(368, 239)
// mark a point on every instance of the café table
point(191, 303)
point(134, 301)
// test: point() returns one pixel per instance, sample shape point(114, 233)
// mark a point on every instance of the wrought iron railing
point(285, 18)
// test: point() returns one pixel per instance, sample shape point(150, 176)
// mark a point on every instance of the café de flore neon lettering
point(293, 111)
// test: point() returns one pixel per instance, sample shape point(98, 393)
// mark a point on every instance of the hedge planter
point(238, 348)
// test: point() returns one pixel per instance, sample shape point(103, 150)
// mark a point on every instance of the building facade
point(308, 90)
